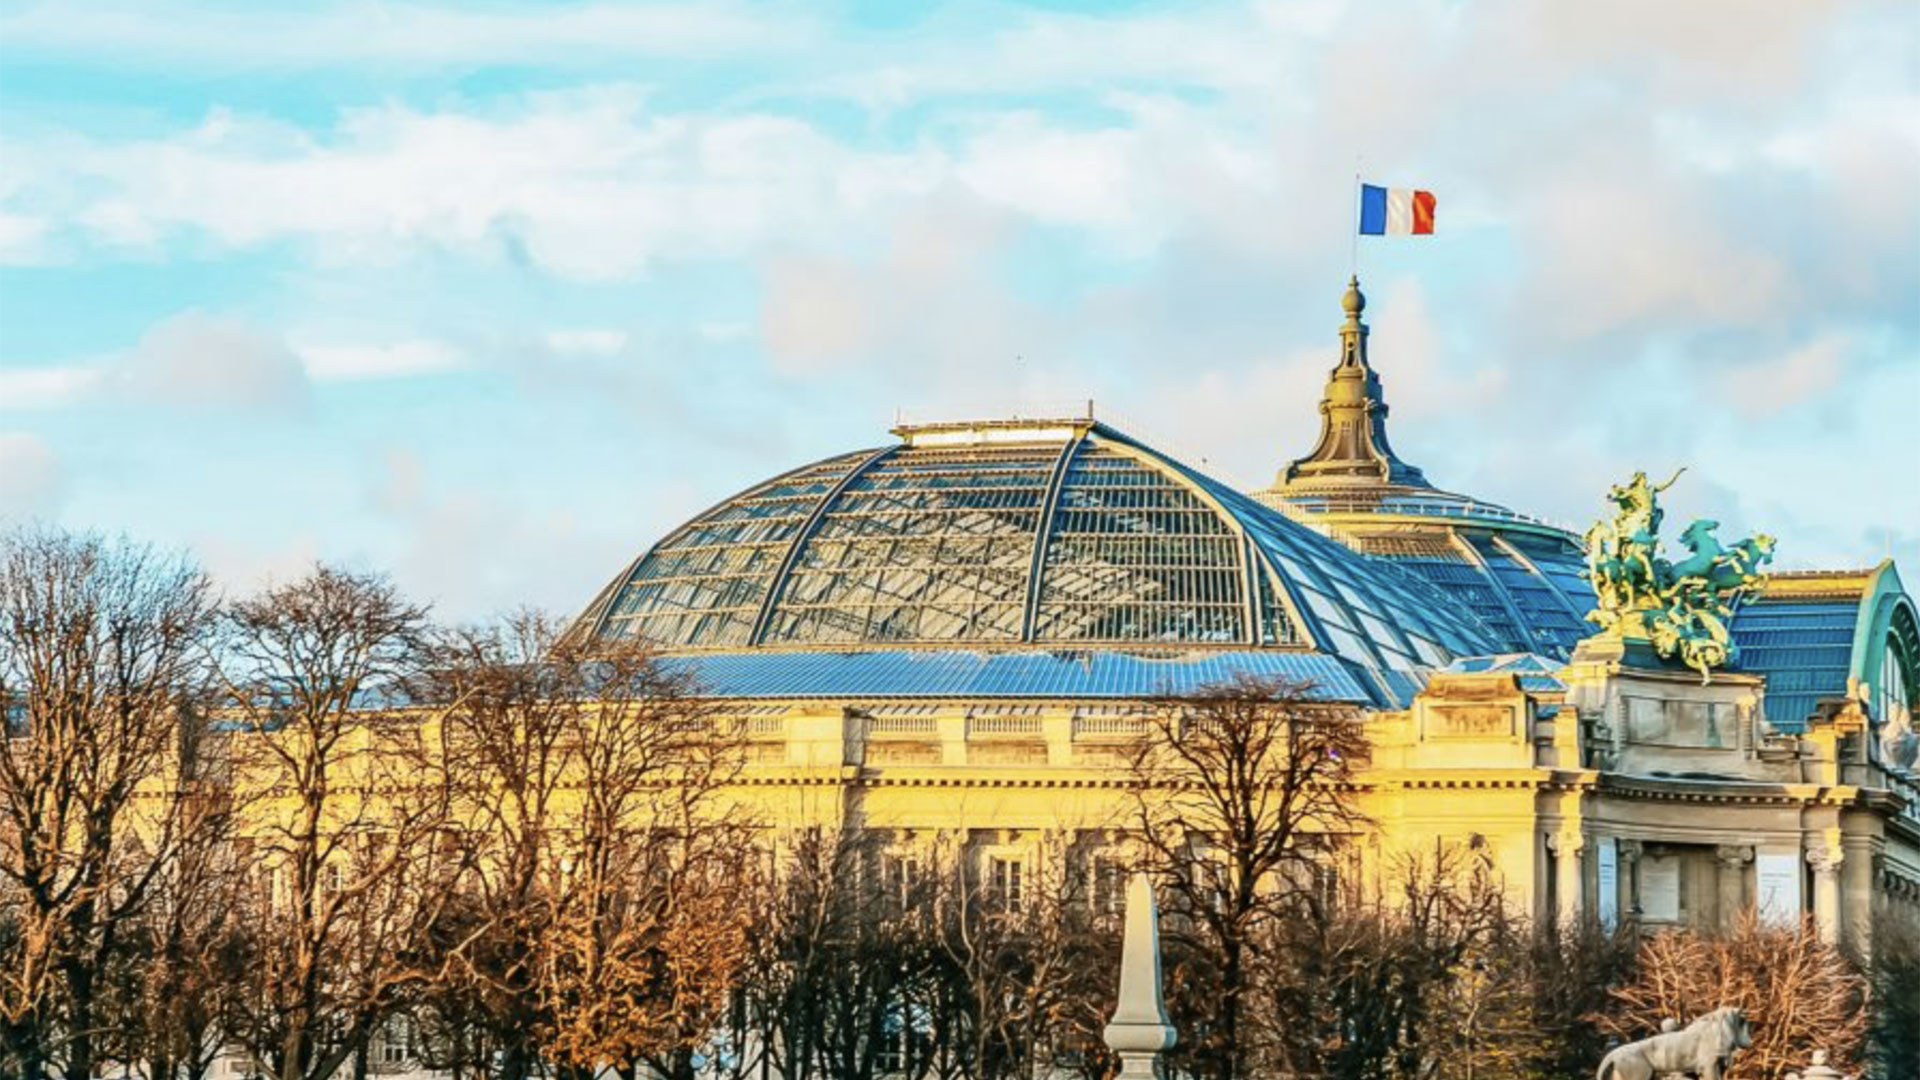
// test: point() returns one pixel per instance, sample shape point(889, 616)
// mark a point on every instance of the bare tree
point(1242, 792)
point(647, 936)
point(599, 920)
point(186, 967)
point(344, 812)
point(1401, 982)
point(509, 740)
point(1019, 962)
point(822, 993)
point(1569, 971)
point(1895, 972)
point(1799, 993)
point(101, 643)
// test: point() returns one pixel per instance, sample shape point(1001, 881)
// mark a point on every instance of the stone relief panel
point(1010, 753)
point(1694, 725)
point(1777, 886)
point(904, 753)
point(1470, 721)
point(1660, 888)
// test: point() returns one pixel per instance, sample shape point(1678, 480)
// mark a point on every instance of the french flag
point(1395, 211)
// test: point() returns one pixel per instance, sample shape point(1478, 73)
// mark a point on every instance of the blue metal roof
point(1803, 649)
point(949, 673)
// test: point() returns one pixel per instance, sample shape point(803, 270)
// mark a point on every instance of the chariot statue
point(1681, 609)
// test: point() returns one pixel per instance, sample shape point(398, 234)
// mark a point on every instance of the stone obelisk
point(1139, 1030)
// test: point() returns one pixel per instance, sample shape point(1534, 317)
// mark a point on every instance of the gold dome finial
point(1355, 301)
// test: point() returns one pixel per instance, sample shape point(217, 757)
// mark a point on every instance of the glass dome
point(1022, 534)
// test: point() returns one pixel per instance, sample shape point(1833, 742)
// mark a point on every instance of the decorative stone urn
point(1819, 1070)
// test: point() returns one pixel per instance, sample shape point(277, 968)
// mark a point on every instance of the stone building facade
point(950, 640)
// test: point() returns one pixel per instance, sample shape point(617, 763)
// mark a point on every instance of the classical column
point(1629, 880)
point(1825, 862)
point(1566, 848)
point(1733, 860)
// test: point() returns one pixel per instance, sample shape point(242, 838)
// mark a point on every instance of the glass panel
point(1136, 555)
point(1551, 628)
point(703, 585)
point(931, 544)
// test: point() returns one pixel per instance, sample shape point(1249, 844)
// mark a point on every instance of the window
point(333, 879)
point(905, 1047)
point(393, 1045)
point(900, 877)
point(1894, 704)
point(1326, 885)
point(1109, 886)
point(1006, 882)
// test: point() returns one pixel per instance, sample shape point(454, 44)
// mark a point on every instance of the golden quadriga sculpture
point(1680, 609)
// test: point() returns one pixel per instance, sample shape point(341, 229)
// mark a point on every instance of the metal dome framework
point(1008, 534)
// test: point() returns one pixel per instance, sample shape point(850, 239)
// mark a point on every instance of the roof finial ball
point(1355, 301)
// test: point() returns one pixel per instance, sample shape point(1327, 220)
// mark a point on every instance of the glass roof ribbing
point(1827, 635)
point(1554, 620)
point(926, 545)
point(1135, 554)
point(1063, 533)
point(705, 584)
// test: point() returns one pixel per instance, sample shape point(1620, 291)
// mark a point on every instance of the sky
point(490, 296)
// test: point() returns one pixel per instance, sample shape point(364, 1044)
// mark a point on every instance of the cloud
point(393, 34)
point(587, 184)
point(344, 362)
point(816, 314)
point(206, 361)
point(1804, 374)
point(46, 387)
point(30, 476)
point(240, 567)
point(598, 342)
point(22, 240)
point(1664, 237)
point(926, 318)
point(199, 360)
point(466, 551)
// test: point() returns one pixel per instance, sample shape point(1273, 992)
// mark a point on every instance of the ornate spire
point(1353, 449)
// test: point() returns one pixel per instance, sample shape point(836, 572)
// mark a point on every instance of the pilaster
point(1629, 879)
point(1732, 860)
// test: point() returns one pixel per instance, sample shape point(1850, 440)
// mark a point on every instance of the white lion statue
point(1701, 1049)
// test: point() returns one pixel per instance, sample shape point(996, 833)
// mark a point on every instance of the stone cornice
point(1674, 789)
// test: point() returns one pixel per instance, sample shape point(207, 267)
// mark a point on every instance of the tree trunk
point(1230, 1007)
point(32, 1052)
point(80, 1046)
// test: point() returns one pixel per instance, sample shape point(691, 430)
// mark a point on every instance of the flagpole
point(1353, 225)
